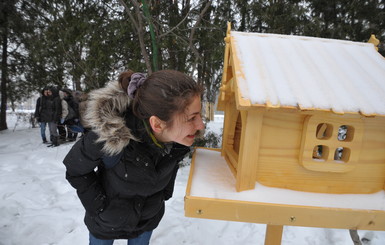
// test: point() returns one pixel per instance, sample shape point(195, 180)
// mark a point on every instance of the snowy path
point(38, 206)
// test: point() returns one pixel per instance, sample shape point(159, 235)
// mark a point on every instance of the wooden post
point(273, 234)
point(249, 149)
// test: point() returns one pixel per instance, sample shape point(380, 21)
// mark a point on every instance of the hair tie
point(137, 79)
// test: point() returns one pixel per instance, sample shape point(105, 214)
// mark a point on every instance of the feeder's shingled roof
point(310, 73)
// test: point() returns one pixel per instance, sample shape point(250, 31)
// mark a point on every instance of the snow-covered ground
point(38, 206)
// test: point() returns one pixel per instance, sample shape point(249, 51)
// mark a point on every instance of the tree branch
point(172, 29)
point(140, 30)
point(191, 39)
point(130, 15)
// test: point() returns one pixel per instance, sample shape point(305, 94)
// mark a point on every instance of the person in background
point(61, 126)
point(42, 113)
point(82, 100)
point(124, 168)
point(56, 111)
point(73, 116)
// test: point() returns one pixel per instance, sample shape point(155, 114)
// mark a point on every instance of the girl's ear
point(157, 125)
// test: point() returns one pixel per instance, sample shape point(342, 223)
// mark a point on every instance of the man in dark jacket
point(41, 113)
point(73, 114)
point(48, 111)
point(55, 116)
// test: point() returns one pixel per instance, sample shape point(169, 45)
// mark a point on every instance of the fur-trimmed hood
point(105, 116)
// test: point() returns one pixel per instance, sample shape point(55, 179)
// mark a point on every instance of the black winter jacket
point(123, 201)
point(48, 109)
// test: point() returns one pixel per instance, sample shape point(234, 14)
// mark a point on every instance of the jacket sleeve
point(37, 109)
point(64, 109)
point(81, 162)
point(57, 109)
point(169, 190)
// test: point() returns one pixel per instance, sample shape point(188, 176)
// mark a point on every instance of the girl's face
point(186, 125)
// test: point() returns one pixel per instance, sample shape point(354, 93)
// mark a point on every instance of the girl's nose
point(199, 124)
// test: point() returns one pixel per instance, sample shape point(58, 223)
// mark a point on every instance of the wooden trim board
point(278, 214)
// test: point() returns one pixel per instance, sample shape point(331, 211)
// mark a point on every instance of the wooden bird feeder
point(301, 114)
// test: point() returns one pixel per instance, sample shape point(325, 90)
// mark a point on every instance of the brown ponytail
point(163, 94)
point(124, 79)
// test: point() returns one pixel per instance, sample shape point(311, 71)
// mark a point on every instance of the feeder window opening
point(324, 131)
point(331, 144)
point(345, 133)
point(342, 154)
point(320, 153)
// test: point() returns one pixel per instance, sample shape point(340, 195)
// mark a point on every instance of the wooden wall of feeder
point(373, 40)
point(280, 93)
point(300, 114)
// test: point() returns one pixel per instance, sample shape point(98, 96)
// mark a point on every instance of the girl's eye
point(193, 118)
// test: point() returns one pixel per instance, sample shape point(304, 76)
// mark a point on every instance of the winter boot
point(55, 141)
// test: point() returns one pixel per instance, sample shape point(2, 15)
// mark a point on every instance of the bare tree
point(138, 26)
point(4, 66)
point(192, 33)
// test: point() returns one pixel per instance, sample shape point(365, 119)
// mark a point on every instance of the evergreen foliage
point(84, 44)
point(209, 140)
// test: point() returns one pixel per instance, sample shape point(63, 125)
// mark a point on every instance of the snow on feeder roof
point(309, 73)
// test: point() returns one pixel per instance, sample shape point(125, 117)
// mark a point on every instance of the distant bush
point(209, 140)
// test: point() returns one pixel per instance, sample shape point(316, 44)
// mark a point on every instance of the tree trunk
point(4, 74)
point(77, 71)
point(141, 38)
point(138, 26)
point(154, 41)
point(191, 38)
